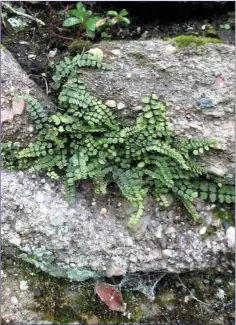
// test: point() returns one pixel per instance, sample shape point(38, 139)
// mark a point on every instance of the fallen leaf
point(101, 22)
point(220, 81)
point(111, 295)
point(18, 106)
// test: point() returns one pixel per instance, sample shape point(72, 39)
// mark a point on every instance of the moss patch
point(185, 40)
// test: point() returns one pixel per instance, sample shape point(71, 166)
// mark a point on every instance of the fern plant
point(84, 139)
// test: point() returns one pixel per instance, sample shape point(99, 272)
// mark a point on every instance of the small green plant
point(85, 18)
point(86, 140)
point(92, 23)
point(118, 17)
point(225, 26)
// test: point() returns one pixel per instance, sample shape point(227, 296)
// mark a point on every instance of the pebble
point(170, 49)
point(14, 300)
point(121, 105)
point(158, 233)
point(72, 265)
point(129, 241)
point(110, 103)
point(103, 211)
point(47, 187)
point(116, 52)
point(203, 230)
point(168, 252)
point(23, 285)
point(31, 129)
point(52, 53)
point(15, 241)
point(230, 235)
point(39, 197)
point(203, 27)
point(114, 270)
point(32, 56)
point(128, 75)
point(170, 230)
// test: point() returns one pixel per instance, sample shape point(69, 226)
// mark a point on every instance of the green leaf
point(71, 22)
point(203, 195)
point(212, 197)
point(123, 13)
point(80, 6)
point(74, 160)
point(91, 24)
point(126, 20)
point(90, 34)
point(77, 13)
point(146, 100)
point(195, 152)
point(194, 195)
point(148, 114)
point(112, 13)
point(141, 164)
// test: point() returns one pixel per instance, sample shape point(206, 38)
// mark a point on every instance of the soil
point(31, 45)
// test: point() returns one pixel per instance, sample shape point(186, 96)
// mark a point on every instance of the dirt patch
point(31, 45)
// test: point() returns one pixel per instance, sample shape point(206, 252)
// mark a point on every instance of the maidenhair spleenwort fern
point(85, 140)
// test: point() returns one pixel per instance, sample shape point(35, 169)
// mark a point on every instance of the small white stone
point(23, 285)
point(32, 56)
point(52, 53)
point(14, 300)
point(121, 105)
point(103, 211)
point(110, 103)
point(31, 129)
point(93, 203)
point(230, 235)
point(203, 230)
point(15, 241)
point(170, 230)
point(115, 270)
point(116, 52)
point(158, 233)
point(39, 197)
point(203, 27)
point(129, 241)
point(168, 252)
point(47, 187)
point(128, 75)
point(18, 226)
point(72, 265)
point(170, 49)
point(220, 294)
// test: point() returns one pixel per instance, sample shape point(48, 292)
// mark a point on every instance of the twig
point(22, 14)
point(63, 37)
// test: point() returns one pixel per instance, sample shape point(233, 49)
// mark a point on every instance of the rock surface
point(185, 79)
point(80, 242)
point(77, 242)
point(16, 125)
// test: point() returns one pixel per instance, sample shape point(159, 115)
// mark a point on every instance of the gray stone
point(191, 73)
point(60, 235)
